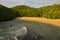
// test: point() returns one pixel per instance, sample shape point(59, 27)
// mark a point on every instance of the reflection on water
point(50, 32)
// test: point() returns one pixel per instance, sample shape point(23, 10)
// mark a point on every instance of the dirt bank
point(44, 20)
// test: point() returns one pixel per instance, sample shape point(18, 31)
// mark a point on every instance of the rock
point(33, 37)
point(12, 32)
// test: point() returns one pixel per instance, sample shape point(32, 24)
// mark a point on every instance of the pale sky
point(32, 3)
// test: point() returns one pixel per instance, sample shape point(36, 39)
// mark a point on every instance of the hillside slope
point(48, 11)
point(6, 13)
point(25, 10)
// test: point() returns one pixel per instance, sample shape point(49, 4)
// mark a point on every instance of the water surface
point(49, 32)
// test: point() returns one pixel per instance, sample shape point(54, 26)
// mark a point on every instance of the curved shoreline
point(44, 20)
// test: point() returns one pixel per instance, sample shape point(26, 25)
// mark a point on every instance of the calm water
point(49, 32)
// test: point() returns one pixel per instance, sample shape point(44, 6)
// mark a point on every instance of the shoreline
point(43, 20)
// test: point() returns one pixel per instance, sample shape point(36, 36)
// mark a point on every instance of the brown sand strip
point(44, 20)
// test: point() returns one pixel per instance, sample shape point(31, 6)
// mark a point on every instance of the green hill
point(6, 13)
point(22, 10)
point(25, 10)
point(51, 11)
point(48, 11)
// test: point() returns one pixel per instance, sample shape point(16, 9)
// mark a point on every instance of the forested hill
point(47, 11)
point(22, 10)
point(6, 13)
point(51, 11)
point(25, 10)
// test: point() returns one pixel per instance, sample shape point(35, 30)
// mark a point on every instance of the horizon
point(28, 6)
point(31, 3)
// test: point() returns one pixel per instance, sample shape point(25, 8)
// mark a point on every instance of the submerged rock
point(12, 32)
point(34, 36)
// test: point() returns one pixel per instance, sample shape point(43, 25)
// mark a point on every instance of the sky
point(32, 3)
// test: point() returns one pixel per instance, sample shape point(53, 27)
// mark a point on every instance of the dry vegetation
point(44, 20)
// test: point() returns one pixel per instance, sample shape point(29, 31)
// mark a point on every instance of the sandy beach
point(44, 20)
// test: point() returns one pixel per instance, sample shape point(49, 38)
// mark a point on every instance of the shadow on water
point(46, 31)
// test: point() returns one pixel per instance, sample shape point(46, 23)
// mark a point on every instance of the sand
point(44, 20)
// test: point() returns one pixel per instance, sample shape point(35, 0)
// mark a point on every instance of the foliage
point(48, 11)
point(25, 11)
point(6, 13)
point(22, 10)
point(51, 11)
